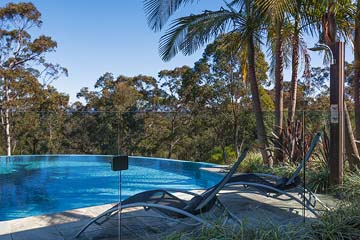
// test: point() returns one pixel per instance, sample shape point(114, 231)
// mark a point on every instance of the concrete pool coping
point(244, 204)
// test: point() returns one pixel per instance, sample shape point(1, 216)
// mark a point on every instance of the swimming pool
point(35, 185)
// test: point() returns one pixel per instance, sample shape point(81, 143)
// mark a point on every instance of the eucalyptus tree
point(174, 101)
point(187, 34)
point(226, 75)
point(20, 53)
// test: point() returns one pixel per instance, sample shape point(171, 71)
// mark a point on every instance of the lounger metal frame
point(306, 197)
point(213, 192)
point(310, 201)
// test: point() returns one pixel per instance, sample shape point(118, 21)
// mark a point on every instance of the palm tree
point(187, 34)
point(302, 23)
point(279, 79)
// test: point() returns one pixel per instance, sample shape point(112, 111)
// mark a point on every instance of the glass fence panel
point(61, 162)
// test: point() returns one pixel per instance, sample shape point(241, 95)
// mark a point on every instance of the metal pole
point(337, 114)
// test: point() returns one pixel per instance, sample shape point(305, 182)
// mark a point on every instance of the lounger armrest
point(262, 175)
point(181, 191)
point(268, 175)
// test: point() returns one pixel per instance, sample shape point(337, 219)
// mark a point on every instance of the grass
point(340, 224)
point(243, 232)
point(351, 186)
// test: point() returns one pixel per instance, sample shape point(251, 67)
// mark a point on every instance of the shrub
point(217, 155)
point(318, 180)
point(342, 223)
point(267, 231)
point(351, 186)
point(251, 163)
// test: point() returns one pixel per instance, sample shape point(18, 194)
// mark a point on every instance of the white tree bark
point(7, 122)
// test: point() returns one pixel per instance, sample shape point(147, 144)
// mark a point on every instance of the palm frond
point(187, 34)
point(276, 9)
point(159, 11)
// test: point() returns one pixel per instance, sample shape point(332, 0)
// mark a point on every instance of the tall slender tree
point(19, 53)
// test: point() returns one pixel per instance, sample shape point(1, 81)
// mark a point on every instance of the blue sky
point(98, 36)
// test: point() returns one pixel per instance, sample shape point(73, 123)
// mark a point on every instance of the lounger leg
point(108, 212)
point(228, 211)
point(276, 190)
point(311, 196)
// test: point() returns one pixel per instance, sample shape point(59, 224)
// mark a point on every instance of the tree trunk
point(172, 135)
point(279, 101)
point(356, 83)
point(170, 150)
point(236, 133)
point(7, 119)
point(236, 139)
point(350, 145)
point(223, 149)
point(261, 132)
point(294, 73)
point(50, 148)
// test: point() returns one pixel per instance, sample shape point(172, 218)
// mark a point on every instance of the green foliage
point(351, 186)
point(252, 163)
point(342, 223)
point(318, 180)
point(284, 170)
point(317, 173)
point(25, 76)
point(217, 155)
point(245, 231)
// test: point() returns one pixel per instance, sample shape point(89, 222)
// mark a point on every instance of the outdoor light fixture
point(320, 47)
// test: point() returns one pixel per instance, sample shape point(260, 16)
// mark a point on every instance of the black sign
point(120, 163)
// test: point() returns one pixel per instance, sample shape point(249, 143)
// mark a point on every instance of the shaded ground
point(140, 224)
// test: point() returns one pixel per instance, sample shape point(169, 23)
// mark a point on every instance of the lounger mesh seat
point(165, 198)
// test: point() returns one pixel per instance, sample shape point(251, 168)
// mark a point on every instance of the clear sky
point(98, 36)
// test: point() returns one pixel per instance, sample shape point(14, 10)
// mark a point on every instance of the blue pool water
point(35, 185)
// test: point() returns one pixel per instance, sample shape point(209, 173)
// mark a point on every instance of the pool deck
point(140, 224)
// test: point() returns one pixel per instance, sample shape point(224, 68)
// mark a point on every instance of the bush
point(318, 180)
point(217, 155)
point(342, 223)
point(351, 186)
point(244, 232)
point(251, 163)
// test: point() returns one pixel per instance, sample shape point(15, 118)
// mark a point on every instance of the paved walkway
point(255, 208)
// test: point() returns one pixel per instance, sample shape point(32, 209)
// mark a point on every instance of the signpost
point(337, 121)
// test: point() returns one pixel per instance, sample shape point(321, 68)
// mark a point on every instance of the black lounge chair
point(275, 186)
point(170, 205)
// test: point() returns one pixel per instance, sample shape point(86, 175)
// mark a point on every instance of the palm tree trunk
point(279, 101)
point(261, 132)
point(294, 73)
point(356, 80)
